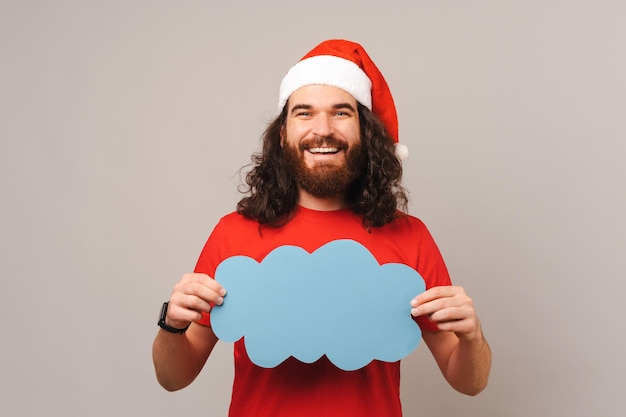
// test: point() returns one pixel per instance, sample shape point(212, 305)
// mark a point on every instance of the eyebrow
point(335, 106)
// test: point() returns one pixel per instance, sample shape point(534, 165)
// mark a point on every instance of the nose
point(322, 125)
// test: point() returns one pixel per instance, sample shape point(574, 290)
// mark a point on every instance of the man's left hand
point(451, 309)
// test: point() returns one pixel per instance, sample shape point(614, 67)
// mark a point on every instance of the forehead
point(320, 96)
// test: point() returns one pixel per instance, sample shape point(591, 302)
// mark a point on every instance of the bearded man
point(328, 170)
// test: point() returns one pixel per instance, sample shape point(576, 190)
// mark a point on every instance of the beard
point(324, 180)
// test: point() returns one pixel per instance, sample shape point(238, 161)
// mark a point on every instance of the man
point(327, 171)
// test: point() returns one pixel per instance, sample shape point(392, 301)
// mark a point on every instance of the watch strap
point(162, 324)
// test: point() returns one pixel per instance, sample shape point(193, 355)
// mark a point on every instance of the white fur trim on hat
point(327, 70)
point(402, 151)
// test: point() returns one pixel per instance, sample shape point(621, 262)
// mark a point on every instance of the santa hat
point(346, 65)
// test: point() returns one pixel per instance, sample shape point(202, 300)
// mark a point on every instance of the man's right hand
point(193, 295)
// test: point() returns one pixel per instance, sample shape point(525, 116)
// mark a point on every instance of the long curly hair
point(377, 195)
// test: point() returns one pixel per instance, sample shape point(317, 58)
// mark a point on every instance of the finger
point(465, 326)
point(207, 291)
point(466, 329)
point(196, 296)
point(205, 280)
point(430, 307)
point(179, 314)
point(450, 314)
point(216, 287)
point(201, 285)
point(435, 293)
point(188, 307)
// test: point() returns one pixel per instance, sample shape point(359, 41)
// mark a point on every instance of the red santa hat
point(346, 65)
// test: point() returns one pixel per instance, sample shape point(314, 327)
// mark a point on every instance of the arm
point(459, 348)
point(178, 359)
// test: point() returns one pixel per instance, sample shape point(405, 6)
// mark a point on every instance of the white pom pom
point(402, 151)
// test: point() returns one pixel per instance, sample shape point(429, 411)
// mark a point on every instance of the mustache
point(320, 141)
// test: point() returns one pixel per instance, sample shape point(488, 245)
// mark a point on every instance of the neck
point(309, 201)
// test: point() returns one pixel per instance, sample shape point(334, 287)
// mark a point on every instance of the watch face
point(163, 312)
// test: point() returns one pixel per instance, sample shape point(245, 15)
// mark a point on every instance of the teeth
point(323, 150)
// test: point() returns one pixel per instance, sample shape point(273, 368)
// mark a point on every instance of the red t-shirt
point(319, 389)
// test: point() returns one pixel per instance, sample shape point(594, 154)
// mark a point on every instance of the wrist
point(472, 337)
point(169, 325)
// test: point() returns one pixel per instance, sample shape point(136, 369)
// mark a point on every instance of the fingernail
point(220, 300)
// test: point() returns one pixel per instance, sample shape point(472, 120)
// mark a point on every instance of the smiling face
point(321, 140)
point(323, 122)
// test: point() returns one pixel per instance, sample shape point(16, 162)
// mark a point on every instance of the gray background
point(123, 125)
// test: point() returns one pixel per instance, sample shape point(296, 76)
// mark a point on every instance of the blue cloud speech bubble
point(337, 301)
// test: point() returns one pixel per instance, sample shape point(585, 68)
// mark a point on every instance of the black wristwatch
point(162, 324)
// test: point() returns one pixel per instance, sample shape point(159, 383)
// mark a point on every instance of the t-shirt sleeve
point(432, 268)
point(209, 259)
